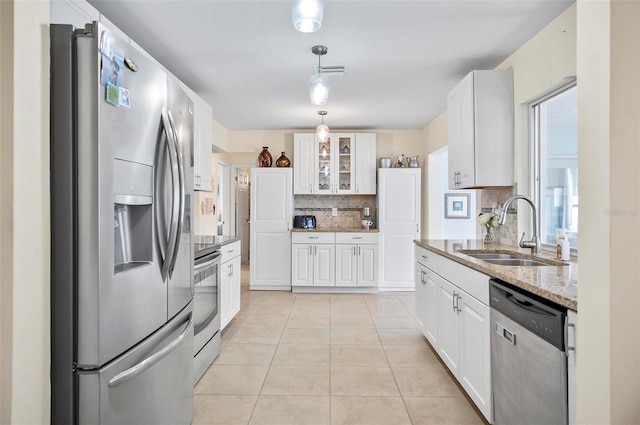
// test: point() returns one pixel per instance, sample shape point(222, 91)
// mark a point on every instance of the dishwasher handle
point(505, 333)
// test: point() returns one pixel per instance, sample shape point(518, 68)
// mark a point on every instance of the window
point(555, 149)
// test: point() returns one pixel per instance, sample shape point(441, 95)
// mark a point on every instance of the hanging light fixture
point(322, 131)
point(307, 15)
point(319, 82)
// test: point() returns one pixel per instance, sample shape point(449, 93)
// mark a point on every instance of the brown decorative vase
point(265, 159)
point(283, 161)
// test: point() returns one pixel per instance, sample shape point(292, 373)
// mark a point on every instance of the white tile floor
point(327, 359)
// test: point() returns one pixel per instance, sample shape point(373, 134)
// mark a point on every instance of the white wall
point(24, 212)
point(609, 153)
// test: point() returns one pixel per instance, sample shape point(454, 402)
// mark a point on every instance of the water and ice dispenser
point(132, 214)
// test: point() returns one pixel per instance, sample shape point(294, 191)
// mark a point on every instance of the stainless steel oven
point(206, 310)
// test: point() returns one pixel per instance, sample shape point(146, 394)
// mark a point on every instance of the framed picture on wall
point(456, 205)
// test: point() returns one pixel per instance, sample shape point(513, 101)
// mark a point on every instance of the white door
point(399, 223)
point(367, 265)
point(420, 297)
point(475, 352)
point(236, 285)
point(346, 265)
point(301, 264)
point(304, 150)
point(223, 199)
point(449, 341)
point(365, 163)
point(225, 294)
point(324, 265)
point(271, 218)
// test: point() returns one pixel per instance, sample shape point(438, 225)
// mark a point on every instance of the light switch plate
point(334, 212)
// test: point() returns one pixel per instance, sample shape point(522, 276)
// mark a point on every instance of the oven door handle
point(215, 258)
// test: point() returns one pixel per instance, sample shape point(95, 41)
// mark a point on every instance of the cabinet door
point(475, 351)
point(365, 163)
point(202, 140)
point(324, 167)
point(430, 318)
point(225, 294)
point(304, 147)
point(324, 265)
point(399, 223)
point(449, 341)
point(367, 265)
point(466, 155)
point(454, 136)
point(271, 219)
point(420, 305)
point(346, 265)
point(344, 164)
point(302, 270)
point(236, 285)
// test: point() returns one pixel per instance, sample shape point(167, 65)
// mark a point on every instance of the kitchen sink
point(511, 259)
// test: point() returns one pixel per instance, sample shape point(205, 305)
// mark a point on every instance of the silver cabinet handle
point(356, 237)
point(457, 305)
point(315, 250)
point(354, 250)
point(151, 360)
point(310, 250)
point(357, 188)
point(358, 250)
point(568, 325)
point(453, 301)
point(313, 237)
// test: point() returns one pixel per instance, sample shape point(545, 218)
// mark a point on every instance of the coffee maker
point(367, 222)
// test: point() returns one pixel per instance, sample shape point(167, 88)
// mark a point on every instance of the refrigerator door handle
point(181, 188)
point(152, 359)
point(168, 252)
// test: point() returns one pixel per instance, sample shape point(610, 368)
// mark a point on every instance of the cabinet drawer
point(357, 238)
point(465, 278)
point(427, 258)
point(229, 251)
point(313, 237)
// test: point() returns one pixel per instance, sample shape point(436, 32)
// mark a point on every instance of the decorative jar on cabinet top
point(283, 161)
point(265, 159)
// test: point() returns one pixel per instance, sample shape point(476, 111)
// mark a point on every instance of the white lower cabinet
point(230, 283)
point(356, 259)
point(456, 323)
point(314, 260)
point(327, 259)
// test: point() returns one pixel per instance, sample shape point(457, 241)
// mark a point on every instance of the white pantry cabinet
point(456, 323)
point(230, 285)
point(271, 219)
point(481, 130)
point(399, 224)
point(344, 164)
point(313, 259)
point(356, 259)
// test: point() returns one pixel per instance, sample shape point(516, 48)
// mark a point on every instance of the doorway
point(241, 195)
point(222, 193)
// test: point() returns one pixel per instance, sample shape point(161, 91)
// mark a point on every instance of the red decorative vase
point(265, 159)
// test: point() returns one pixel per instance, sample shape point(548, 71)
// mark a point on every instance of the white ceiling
point(401, 57)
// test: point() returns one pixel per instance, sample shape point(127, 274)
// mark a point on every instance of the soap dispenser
point(563, 249)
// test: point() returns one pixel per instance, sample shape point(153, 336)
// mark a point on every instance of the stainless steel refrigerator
point(121, 253)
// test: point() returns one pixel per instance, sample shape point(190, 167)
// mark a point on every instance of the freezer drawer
point(147, 384)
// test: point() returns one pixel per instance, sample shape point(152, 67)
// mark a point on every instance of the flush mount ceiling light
point(322, 131)
point(319, 82)
point(307, 15)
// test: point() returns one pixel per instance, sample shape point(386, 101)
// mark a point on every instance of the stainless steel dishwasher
point(528, 361)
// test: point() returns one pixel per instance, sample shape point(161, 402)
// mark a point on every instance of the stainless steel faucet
point(534, 243)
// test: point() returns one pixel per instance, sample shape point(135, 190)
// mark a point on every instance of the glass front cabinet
point(344, 164)
point(334, 164)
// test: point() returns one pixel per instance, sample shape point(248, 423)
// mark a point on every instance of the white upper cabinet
point(365, 164)
point(480, 130)
point(344, 164)
point(202, 140)
point(304, 154)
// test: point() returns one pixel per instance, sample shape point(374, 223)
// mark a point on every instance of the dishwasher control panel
point(542, 318)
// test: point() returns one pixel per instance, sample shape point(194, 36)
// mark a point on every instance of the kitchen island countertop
point(555, 283)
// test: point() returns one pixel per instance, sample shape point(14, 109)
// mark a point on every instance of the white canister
point(385, 162)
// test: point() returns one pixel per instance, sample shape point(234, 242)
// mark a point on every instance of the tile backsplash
point(492, 201)
point(349, 209)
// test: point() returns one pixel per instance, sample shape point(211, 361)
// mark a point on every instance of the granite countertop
point(556, 283)
point(337, 230)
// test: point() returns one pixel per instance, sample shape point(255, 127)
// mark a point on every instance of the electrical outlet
point(334, 212)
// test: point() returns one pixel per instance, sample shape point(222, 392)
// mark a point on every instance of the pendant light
point(322, 131)
point(319, 82)
point(307, 15)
